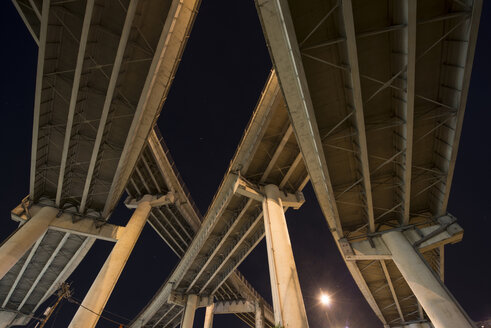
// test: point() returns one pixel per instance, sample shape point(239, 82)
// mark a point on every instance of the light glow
point(325, 299)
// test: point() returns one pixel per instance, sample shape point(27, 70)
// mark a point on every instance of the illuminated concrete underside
point(178, 223)
point(385, 87)
point(104, 70)
point(233, 225)
point(154, 172)
point(376, 91)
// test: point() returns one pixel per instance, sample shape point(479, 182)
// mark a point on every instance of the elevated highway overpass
point(369, 106)
point(376, 92)
point(177, 224)
point(104, 70)
point(269, 154)
point(60, 249)
point(233, 224)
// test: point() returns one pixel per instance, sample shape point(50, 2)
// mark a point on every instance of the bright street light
point(325, 299)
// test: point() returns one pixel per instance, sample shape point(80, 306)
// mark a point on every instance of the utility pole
point(63, 292)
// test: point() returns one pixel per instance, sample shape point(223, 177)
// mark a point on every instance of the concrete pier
point(289, 308)
point(189, 311)
point(23, 238)
point(434, 298)
point(259, 316)
point(209, 316)
point(101, 289)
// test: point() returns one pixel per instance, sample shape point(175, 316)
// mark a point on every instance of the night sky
point(219, 80)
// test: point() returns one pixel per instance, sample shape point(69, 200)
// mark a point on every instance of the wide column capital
point(250, 190)
point(152, 200)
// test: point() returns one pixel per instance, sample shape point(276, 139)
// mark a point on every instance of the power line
point(107, 311)
point(64, 292)
point(72, 300)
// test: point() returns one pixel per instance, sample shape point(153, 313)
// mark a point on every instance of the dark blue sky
point(218, 83)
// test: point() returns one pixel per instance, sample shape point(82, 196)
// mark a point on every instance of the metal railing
point(253, 290)
point(176, 173)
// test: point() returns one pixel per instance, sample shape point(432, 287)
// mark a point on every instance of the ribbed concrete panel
point(177, 224)
point(233, 225)
point(104, 70)
point(376, 91)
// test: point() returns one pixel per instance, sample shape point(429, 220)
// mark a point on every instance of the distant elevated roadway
point(233, 224)
point(104, 70)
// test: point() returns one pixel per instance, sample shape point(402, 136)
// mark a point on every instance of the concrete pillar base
point(416, 325)
point(9, 319)
point(103, 285)
point(289, 308)
point(209, 316)
point(259, 316)
point(438, 304)
point(189, 311)
point(22, 240)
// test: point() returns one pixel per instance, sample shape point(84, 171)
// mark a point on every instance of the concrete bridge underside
point(367, 102)
point(376, 92)
point(104, 70)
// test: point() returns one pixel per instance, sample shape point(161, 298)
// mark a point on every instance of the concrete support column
point(11, 319)
point(416, 325)
point(14, 247)
point(101, 288)
point(434, 298)
point(289, 309)
point(259, 316)
point(189, 311)
point(209, 316)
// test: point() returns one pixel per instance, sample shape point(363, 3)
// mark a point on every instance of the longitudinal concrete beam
point(392, 290)
point(37, 96)
point(130, 14)
point(67, 222)
point(281, 38)
point(74, 97)
point(165, 167)
point(159, 78)
point(411, 22)
point(471, 42)
point(351, 47)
